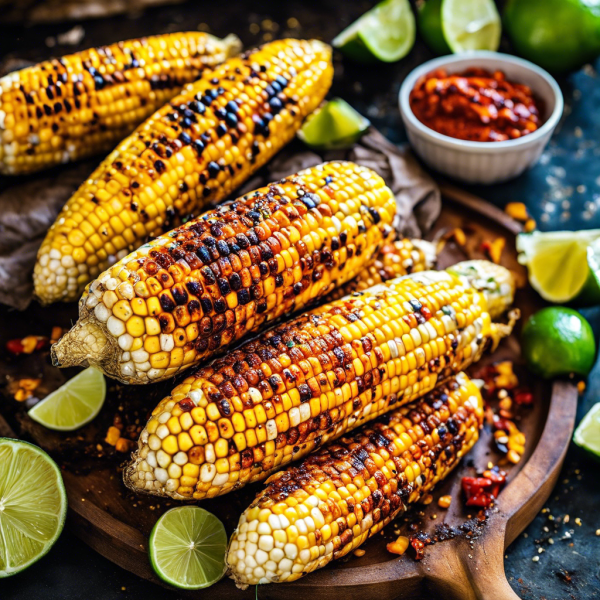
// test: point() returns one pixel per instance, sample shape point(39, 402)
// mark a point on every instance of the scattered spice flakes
point(501, 386)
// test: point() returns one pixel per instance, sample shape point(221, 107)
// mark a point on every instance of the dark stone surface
point(565, 186)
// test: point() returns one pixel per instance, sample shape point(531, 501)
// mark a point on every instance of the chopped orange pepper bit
point(399, 546)
point(445, 501)
point(459, 236)
point(530, 225)
point(29, 384)
point(581, 387)
point(517, 210)
point(29, 344)
point(112, 436)
point(123, 445)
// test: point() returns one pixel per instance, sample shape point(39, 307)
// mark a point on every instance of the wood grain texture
point(117, 524)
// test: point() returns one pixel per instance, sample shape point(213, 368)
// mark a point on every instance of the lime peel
point(33, 505)
point(74, 404)
point(558, 341)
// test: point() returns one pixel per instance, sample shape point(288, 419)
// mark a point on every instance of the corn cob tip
point(85, 341)
point(496, 282)
point(232, 44)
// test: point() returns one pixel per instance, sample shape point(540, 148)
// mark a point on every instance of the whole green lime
point(559, 35)
point(558, 341)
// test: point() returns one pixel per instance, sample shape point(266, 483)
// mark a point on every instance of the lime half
point(73, 404)
point(563, 265)
point(187, 548)
point(386, 32)
point(471, 25)
point(33, 505)
point(558, 341)
point(587, 435)
point(335, 125)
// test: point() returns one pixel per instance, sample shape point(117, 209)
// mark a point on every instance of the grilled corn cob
point(395, 259)
point(192, 152)
point(193, 291)
point(293, 388)
point(79, 105)
point(330, 503)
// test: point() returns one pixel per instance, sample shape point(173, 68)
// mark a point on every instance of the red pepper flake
point(523, 397)
point(417, 548)
point(482, 491)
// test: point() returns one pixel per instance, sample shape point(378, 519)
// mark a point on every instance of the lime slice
point(73, 404)
point(558, 341)
point(187, 548)
point(587, 435)
point(471, 25)
point(429, 21)
point(335, 125)
point(386, 32)
point(563, 265)
point(33, 505)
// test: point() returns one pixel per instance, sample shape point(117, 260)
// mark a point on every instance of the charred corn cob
point(395, 259)
point(293, 388)
point(76, 106)
point(329, 504)
point(195, 290)
point(193, 151)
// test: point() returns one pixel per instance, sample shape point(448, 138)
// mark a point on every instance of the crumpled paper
point(30, 206)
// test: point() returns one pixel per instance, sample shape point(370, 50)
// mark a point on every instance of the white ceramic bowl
point(483, 162)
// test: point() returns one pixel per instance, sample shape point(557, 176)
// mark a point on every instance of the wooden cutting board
point(117, 523)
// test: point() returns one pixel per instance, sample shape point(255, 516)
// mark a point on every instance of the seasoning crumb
point(550, 541)
point(597, 531)
point(566, 519)
point(446, 501)
point(359, 552)
point(535, 559)
point(578, 521)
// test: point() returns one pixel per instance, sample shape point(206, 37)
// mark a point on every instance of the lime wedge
point(335, 125)
point(386, 33)
point(33, 505)
point(563, 265)
point(471, 25)
point(587, 434)
point(73, 404)
point(429, 21)
point(187, 548)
